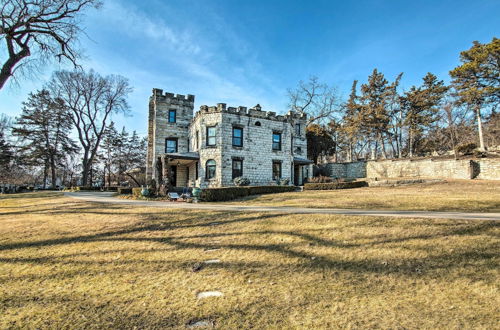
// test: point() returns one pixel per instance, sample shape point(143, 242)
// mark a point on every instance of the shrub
point(229, 193)
point(136, 192)
point(466, 149)
point(320, 179)
point(259, 190)
point(124, 191)
point(223, 194)
point(83, 188)
point(283, 182)
point(241, 181)
point(335, 185)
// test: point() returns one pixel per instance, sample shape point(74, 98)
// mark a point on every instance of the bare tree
point(318, 100)
point(39, 30)
point(91, 100)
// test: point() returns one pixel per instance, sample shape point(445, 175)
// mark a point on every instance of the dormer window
point(172, 116)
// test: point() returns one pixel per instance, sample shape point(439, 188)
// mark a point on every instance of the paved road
point(107, 197)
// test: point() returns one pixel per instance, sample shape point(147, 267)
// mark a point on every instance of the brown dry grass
point(460, 195)
point(71, 264)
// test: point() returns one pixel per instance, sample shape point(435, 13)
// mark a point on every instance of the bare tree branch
point(43, 29)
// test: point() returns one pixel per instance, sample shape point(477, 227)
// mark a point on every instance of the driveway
point(107, 197)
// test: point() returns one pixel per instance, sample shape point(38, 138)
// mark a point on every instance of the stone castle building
point(219, 143)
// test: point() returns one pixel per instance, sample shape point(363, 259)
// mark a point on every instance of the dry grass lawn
point(459, 195)
point(72, 264)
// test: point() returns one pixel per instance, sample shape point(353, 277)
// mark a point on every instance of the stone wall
point(352, 170)
point(489, 169)
point(485, 168)
point(452, 169)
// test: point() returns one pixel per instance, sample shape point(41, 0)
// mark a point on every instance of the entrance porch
point(180, 169)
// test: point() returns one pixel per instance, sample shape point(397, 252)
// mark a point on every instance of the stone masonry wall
point(487, 169)
point(452, 169)
point(347, 170)
point(257, 154)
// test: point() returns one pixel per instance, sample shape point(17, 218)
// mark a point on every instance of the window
point(210, 136)
point(257, 123)
point(237, 168)
point(210, 169)
point(197, 140)
point(196, 171)
point(276, 170)
point(170, 145)
point(297, 129)
point(276, 141)
point(237, 137)
point(172, 116)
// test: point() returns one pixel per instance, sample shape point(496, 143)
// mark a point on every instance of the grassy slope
point(65, 263)
point(472, 196)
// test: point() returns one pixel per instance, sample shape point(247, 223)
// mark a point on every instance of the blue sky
point(249, 52)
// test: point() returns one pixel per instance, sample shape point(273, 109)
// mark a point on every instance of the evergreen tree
point(43, 129)
point(421, 107)
point(477, 81)
point(109, 144)
point(374, 114)
point(6, 155)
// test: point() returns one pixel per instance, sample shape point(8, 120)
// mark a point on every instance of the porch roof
point(183, 155)
point(301, 161)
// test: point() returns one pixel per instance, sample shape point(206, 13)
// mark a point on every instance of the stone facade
point(352, 170)
point(189, 163)
point(486, 168)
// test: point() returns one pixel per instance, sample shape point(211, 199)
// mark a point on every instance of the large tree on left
point(91, 100)
point(34, 31)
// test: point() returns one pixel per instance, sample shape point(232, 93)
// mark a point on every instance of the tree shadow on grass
point(294, 250)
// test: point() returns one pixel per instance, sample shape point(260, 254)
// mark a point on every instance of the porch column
point(310, 171)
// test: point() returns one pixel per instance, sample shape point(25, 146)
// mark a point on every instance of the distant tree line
point(379, 120)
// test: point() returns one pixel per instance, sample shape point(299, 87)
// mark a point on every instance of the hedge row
point(124, 191)
point(81, 188)
point(335, 185)
point(229, 193)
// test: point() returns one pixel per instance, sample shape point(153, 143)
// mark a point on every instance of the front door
point(173, 176)
point(296, 175)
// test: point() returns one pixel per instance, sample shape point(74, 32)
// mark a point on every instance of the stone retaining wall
point(485, 168)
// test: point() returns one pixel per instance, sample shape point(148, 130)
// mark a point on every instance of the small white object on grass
point(212, 261)
point(207, 294)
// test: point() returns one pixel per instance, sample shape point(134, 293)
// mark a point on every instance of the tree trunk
point(45, 173)
point(480, 129)
point(53, 169)
point(410, 142)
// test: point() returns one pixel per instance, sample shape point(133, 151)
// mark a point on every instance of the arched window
point(210, 169)
point(257, 123)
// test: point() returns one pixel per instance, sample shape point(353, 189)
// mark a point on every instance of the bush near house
point(137, 191)
point(83, 188)
point(335, 185)
point(124, 191)
point(230, 193)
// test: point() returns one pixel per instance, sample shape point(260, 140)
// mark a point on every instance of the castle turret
point(168, 125)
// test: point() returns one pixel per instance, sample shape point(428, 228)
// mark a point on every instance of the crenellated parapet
point(172, 98)
point(255, 112)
